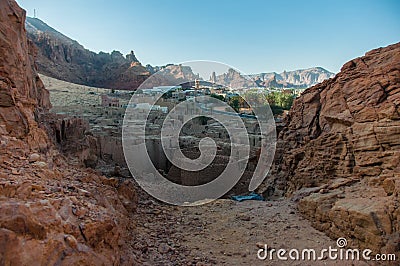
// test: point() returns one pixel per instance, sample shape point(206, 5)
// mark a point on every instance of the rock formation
point(52, 211)
point(302, 78)
point(22, 94)
point(170, 75)
point(72, 137)
point(234, 79)
point(63, 58)
point(213, 77)
point(339, 154)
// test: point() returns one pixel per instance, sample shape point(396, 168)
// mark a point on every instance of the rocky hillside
point(52, 211)
point(340, 152)
point(303, 78)
point(233, 79)
point(65, 59)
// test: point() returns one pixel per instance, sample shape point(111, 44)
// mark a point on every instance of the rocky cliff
point(302, 78)
point(22, 93)
point(63, 58)
point(233, 79)
point(339, 154)
point(52, 211)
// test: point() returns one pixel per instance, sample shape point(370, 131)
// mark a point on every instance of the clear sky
point(253, 36)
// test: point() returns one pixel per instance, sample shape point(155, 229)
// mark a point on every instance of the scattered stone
point(163, 248)
point(14, 171)
point(389, 186)
point(260, 245)
point(40, 164)
point(34, 157)
point(71, 241)
point(244, 217)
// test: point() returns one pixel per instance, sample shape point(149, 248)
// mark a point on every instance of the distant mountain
point(169, 75)
point(178, 72)
point(63, 58)
point(297, 78)
point(232, 79)
point(302, 78)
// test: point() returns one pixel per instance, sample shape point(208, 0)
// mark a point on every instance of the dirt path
point(224, 232)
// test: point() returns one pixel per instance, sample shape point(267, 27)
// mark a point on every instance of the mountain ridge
point(306, 77)
point(66, 59)
point(35, 24)
point(60, 57)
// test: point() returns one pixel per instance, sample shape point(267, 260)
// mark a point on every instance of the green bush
point(219, 97)
point(276, 109)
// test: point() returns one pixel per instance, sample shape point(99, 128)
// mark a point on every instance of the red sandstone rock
point(344, 135)
point(52, 211)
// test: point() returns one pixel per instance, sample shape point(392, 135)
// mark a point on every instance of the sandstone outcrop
point(339, 154)
point(22, 94)
point(72, 137)
point(52, 211)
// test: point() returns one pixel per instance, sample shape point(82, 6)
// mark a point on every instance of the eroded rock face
point(52, 211)
point(343, 139)
point(22, 93)
point(72, 136)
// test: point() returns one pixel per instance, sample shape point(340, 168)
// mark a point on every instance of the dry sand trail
point(224, 232)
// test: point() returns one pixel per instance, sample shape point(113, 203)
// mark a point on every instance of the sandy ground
point(63, 93)
point(225, 232)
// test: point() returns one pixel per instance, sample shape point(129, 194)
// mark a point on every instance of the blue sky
point(253, 36)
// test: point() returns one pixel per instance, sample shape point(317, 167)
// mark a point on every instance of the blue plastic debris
point(251, 196)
